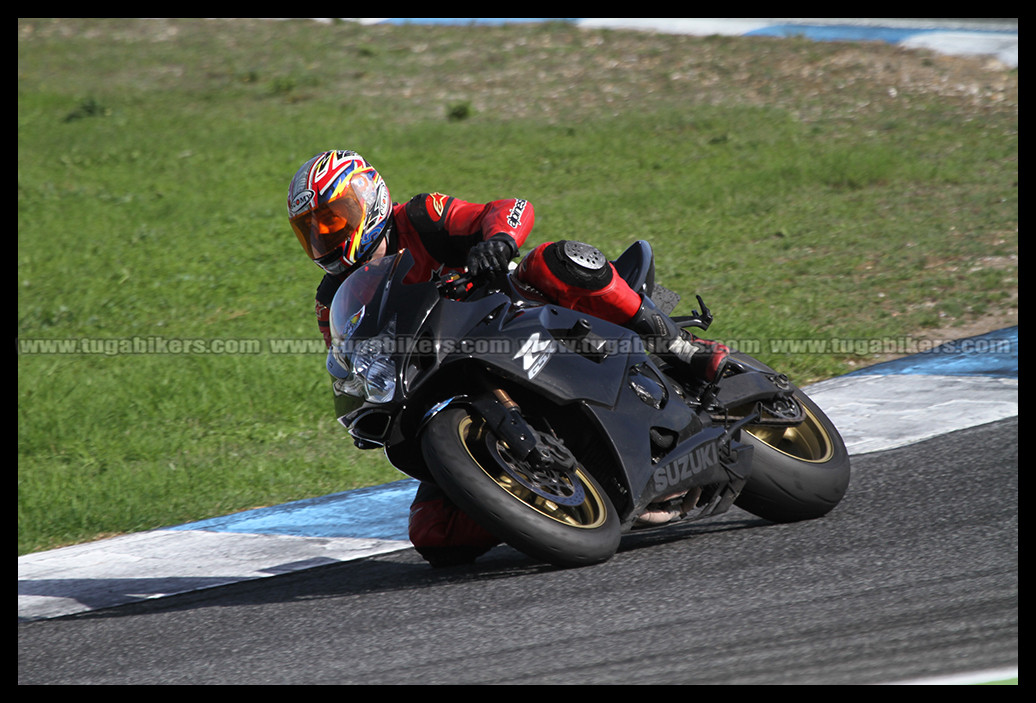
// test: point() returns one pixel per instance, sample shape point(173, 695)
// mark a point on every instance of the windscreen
point(355, 294)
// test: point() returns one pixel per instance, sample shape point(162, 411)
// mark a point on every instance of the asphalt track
point(913, 576)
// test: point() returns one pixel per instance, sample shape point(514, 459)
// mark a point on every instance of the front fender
point(455, 401)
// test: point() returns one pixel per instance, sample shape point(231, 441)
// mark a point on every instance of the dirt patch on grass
point(557, 72)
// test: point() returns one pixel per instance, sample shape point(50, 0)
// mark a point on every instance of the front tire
point(475, 469)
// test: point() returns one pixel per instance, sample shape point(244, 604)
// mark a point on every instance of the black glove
point(491, 255)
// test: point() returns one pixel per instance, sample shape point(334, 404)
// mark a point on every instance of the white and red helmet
point(338, 206)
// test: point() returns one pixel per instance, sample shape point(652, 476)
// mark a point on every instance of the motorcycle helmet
point(339, 208)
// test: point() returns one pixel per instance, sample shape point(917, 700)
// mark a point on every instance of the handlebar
point(459, 286)
point(456, 286)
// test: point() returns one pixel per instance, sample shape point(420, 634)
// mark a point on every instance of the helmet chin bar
point(332, 263)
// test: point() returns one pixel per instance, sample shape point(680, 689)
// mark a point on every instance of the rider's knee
point(578, 264)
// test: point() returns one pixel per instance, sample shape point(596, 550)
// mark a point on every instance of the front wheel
point(562, 518)
point(799, 472)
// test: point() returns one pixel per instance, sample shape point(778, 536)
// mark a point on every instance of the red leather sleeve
point(458, 218)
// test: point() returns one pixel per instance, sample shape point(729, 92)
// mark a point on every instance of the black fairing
point(588, 380)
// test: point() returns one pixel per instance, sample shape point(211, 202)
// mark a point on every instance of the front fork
point(504, 419)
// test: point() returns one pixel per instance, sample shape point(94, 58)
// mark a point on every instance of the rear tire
point(798, 473)
point(468, 463)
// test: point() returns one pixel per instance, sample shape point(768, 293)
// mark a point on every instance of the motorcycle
point(560, 432)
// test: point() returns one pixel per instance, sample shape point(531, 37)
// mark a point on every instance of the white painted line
point(977, 677)
point(959, 38)
point(699, 26)
point(159, 563)
point(1005, 48)
point(874, 413)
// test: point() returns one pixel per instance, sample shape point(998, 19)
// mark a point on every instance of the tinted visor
point(328, 226)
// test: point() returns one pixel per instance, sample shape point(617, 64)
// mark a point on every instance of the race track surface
point(914, 575)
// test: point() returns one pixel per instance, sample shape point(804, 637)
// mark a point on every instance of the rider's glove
point(491, 255)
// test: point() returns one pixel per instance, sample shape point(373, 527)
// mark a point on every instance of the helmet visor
point(332, 224)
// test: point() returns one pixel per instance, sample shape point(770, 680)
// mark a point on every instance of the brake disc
point(554, 479)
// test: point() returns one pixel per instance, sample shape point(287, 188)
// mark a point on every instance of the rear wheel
point(562, 517)
point(799, 472)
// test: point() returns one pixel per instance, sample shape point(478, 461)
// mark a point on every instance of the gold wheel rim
point(589, 514)
point(808, 441)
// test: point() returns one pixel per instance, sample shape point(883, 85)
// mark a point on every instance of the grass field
point(833, 203)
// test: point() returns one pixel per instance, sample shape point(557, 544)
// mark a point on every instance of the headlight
point(370, 364)
point(376, 368)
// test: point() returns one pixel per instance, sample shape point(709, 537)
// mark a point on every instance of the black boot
point(663, 337)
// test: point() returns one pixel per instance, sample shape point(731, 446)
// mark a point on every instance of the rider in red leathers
point(341, 212)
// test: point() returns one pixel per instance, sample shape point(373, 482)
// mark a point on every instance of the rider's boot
point(705, 359)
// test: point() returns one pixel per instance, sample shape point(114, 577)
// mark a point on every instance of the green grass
point(800, 200)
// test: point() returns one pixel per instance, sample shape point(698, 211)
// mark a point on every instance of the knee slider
point(578, 264)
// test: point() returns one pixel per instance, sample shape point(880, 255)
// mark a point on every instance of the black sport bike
point(558, 431)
